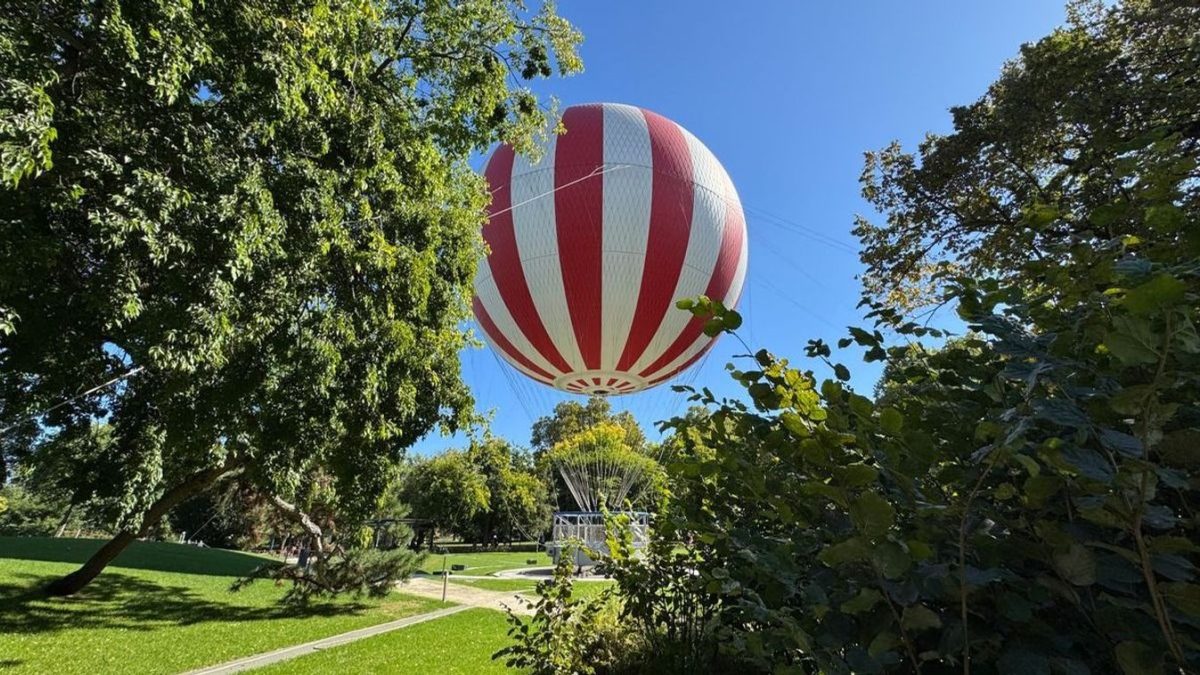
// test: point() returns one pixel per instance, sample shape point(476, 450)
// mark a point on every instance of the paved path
point(260, 660)
point(431, 587)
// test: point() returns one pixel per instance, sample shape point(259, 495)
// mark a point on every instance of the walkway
point(431, 587)
point(260, 660)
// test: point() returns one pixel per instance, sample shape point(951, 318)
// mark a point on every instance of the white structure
point(583, 531)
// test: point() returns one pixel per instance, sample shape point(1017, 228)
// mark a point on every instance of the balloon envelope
point(589, 249)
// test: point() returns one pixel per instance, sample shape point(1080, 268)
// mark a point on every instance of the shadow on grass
point(121, 601)
point(146, 555)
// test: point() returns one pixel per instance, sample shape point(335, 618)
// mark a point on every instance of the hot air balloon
point(589, 249)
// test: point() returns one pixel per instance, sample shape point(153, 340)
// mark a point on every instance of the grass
point(160, 608)
point(486, 563)
point(581, 589)
point(459, 643)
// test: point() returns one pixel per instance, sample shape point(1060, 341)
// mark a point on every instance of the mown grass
point(161, 608)
point(579, 589)
point(485, 563)
point(459, 643)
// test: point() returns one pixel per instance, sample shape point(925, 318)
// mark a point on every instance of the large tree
point(257, 217)
point(1080, 139)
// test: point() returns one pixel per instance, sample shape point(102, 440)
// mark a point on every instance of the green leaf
point(1136, 658)
point(891, 421)
point(1132, 341)
point(1029, 463)
point(872, 514)
point(851, 550)
point(855, 475)
point(1162, 291)
point(917, 618)
point(1183, 596)
point(891, 559)
point(841, 372)
point(1077, 565)
point(864, 601)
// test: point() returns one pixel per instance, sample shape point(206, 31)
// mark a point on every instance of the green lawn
point(459, 643)
point(485, 563)
point(581, 589)
point(141, 616)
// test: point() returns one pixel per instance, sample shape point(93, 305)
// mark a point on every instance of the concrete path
point(260, 660)
point(431, 587)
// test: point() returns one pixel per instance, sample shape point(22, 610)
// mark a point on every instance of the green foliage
point(484, 494)
point(1048, 155)
point(448, 489)
point(27, 514)
point(565, 634)
point(571, 417)
point(1021, 498)
point(600, 463)
point(260, 216)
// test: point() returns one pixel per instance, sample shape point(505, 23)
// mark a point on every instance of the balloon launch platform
point(579, 533)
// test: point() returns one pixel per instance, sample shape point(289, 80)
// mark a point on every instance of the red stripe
point(670, 227)
point(502, 343)
point(683, 366)
point(579, 212)
point(611, 381)
point(724, 272)
point(505, 259)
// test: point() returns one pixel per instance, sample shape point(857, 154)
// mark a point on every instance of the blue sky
point(788, 95)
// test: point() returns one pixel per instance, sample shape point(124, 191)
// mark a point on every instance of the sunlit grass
point(140, 617)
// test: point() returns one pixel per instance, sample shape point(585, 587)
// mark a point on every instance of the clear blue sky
point(788, 95)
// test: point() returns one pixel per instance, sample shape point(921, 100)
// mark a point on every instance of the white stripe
point(730, 201)
point(489, 296)
point(626, 224)
point(537, 243)
point(704, 244)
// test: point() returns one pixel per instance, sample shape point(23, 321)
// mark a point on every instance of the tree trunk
point(62, 525)
point(191, 486)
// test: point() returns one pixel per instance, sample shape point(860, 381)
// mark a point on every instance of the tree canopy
point(1018, 499)
point(256, 220)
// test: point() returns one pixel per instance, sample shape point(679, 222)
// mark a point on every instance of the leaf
point(1135, 658)
point(864, 601)
point(891, 421)
point(892, 559)
point(855, 475)
point(917, 618)
point(851, 550)
point(1121, 442)
point(1163, 290)
point(1131, 341)
point(842, 372)
point(1029, 463)
point(1183, 596)
point(1061, 412)
point(872, 514)
point(1089, 463)
point(1077, 565)
point(1040, 488)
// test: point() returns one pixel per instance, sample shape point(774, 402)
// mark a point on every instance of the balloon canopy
point(626, 213)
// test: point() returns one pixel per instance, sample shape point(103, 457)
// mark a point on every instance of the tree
point(518, 501)
point(572, 417)
point(599, 470)
point(1020, 499)
point(253, 227)
point(448, 489)
point(486, 493)
point(1049, 154)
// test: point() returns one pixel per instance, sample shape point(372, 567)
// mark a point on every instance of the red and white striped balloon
point(626, 213)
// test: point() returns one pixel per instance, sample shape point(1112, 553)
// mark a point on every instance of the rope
point(76, 397)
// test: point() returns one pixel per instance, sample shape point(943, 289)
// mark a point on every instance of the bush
point(566, 634)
